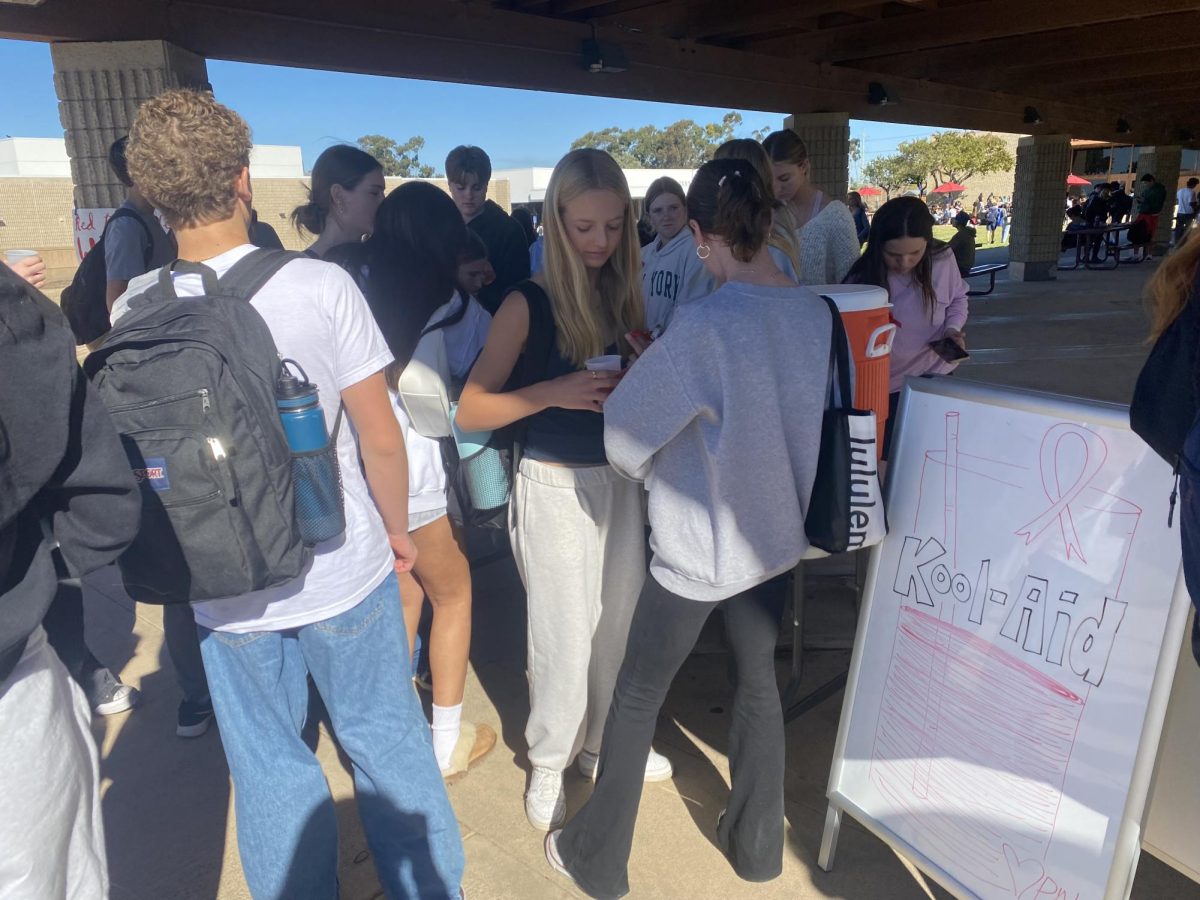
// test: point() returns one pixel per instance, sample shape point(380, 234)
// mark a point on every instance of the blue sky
point(315, 109)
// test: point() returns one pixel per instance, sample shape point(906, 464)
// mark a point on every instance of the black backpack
point(190, 385)
point(1165, 397)
point(84, 301)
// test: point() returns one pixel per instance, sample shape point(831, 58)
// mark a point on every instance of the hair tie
point(736, 173)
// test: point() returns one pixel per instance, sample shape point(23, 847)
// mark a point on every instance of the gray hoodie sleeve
point(648, 408)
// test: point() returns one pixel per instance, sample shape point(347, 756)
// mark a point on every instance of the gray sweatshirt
point(721, 417)
point(671, 277)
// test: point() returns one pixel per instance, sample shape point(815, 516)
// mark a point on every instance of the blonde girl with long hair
point(576, 526)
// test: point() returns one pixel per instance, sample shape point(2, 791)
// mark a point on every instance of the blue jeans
point(286, 825)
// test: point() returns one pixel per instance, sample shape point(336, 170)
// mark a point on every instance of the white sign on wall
point(89, 225)
point(1019, 633)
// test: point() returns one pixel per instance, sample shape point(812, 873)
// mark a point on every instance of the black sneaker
point(194, 718)
point(107, 694)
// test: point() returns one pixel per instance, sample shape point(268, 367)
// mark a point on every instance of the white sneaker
point(658, 767)
point(545, 803)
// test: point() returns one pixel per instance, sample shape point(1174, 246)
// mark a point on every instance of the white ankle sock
point(447, 722)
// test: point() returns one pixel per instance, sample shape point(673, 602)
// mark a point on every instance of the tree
point(916, 159)
point(954, 156)
point(681, 145)
point(959, 155)
point(398, 160)
point(888, 173)
point(855, 150)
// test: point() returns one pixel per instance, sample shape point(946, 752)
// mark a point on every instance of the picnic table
point(1100, 247)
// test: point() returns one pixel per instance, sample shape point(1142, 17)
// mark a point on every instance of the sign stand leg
point(829, 839)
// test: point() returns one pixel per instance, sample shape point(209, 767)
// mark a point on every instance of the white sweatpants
point(578, 539)
point(51, 831)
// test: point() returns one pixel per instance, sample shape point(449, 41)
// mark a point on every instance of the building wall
point(37, 214)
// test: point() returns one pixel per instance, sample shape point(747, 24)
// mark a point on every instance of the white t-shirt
point(319, 318)
point(1185, 199)
point(426, 474)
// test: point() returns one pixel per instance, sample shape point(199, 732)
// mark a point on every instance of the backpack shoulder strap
point(540, 340)
point(248, 275)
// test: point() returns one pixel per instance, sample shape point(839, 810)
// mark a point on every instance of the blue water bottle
point(316, 477)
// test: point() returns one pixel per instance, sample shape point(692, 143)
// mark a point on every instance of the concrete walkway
point(167, 801)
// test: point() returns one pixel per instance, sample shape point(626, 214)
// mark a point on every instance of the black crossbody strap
point(839, 355)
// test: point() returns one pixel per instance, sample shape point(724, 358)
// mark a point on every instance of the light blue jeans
point(286, 825)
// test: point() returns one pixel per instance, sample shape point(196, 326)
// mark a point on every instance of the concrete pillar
point(827, 136)
point(1163, 163)
point(1043, 162)
point(100, 87)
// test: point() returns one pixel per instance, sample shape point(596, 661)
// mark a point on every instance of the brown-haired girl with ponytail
point(721, 418)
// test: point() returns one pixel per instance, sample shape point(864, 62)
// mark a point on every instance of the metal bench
point(990, 270)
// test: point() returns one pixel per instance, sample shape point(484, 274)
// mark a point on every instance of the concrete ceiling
point(952, 63)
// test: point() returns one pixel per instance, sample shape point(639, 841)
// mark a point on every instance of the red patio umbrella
point(869, 191)
point(1075, 180)
point(949, 187)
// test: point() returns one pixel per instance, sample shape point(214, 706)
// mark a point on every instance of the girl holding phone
point(926, 290)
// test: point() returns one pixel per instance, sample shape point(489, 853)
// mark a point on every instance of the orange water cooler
point(866, 314)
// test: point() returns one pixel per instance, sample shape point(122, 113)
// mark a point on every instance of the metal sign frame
point(1123, 865)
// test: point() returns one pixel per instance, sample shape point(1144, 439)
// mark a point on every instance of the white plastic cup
point(610, 363)
point(12, 257)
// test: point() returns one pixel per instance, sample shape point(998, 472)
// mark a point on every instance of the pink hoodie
point(910, 350)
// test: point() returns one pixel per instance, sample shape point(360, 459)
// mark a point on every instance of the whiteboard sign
point(1173, 817)
point(1019, 632)
point(89, 225)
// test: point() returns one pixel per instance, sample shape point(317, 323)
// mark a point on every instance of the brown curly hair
point(185, 152)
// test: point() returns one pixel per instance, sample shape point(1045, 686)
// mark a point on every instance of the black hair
point(411, 263)
point(524, 218)
point(903, 217)
point(466, 160)
point(339, 164)
point(728, 199)
point(116, 161)
point(1193, 182)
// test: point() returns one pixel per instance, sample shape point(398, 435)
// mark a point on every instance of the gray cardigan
point(721, 417)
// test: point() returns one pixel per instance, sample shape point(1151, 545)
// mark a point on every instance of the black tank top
point(556, 435)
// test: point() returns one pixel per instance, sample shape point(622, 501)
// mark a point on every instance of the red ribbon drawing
point(1066, 449)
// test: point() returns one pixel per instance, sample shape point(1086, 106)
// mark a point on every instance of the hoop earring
point(703, 251)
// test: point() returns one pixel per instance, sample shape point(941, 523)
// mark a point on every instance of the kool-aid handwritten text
point(1017, 611)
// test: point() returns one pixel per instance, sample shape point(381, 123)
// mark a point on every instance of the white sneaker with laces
point(658, 767)
point(545, 802)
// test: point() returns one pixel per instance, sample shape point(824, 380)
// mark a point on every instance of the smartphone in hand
point(949, 350)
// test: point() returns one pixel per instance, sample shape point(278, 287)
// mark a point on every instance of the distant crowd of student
point(706, 429)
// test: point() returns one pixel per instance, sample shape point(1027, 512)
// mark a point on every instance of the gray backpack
point(190, 387)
